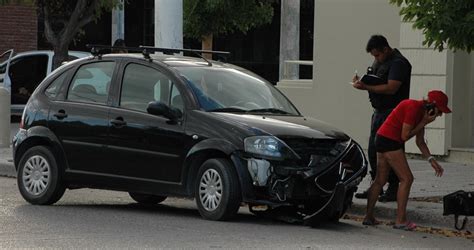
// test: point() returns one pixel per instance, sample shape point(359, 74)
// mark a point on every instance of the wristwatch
point(430, 158)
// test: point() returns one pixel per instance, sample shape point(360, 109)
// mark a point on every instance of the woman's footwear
point(373, 222)
point(409, 226)
point(362, 195)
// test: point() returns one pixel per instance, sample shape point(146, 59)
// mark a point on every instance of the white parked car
point(21, 73)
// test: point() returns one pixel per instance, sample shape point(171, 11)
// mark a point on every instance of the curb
point(427, 214)
point(7, 169)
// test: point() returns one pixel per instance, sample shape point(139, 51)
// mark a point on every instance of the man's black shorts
point(384, 144)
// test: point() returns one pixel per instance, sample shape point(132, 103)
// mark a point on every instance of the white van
point(20, 74)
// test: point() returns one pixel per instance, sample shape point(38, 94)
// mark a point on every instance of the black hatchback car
point(169, 125)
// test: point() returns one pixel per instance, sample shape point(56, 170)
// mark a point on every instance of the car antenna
point(194, 51)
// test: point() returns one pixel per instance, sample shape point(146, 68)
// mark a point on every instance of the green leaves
point(204, 17)
point(443, 22)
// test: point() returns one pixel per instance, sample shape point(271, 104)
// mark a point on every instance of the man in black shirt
point(395, 71)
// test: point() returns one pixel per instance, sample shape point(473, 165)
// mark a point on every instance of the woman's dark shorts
point(384, 144)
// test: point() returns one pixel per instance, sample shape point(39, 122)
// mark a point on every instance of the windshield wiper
point(269, 110)
point(228, 110)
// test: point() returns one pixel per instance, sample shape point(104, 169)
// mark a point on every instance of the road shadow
point(134, 209)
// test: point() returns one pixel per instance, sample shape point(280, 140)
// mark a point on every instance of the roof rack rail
point(194, 51)
point(98, 50)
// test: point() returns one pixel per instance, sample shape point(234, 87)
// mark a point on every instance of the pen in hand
point(356, 77)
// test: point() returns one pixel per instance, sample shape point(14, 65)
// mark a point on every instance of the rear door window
point(91, 83)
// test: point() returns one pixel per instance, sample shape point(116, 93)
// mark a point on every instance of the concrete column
point(169, 23)
point(290, 36)
point(5, 118)
point(118, 23)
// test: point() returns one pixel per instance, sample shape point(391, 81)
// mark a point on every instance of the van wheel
point(38, 177)
point(147, 199)
point(217, 190)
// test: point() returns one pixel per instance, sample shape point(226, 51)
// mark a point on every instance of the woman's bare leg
point(376, 188)
point(398, 161)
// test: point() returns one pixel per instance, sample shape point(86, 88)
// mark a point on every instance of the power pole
point(169, 23)
point(290, 36)
point(118, 22)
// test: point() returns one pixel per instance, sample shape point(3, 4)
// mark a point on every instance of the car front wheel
point(38, 177)
point(217, 190)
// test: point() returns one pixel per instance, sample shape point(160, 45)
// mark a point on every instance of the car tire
point(147, 199)
point(217, 190)
point(38, 177)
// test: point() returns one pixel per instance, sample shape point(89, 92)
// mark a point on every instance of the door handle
point(61, 114)
point(118, 122)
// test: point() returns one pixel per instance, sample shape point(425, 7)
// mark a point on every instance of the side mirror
point(161, 109)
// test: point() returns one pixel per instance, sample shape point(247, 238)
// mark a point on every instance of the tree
point(205, 18)
point(442, 22)
point(63, 19)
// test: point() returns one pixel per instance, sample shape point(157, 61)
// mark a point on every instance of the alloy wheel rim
point(210, 190)
point(36, 175)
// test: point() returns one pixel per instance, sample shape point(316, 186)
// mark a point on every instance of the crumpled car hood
point(286, 126)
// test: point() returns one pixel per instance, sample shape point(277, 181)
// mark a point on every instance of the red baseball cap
point(440, 99)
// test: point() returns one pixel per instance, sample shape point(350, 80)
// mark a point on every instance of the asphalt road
point(88, 218)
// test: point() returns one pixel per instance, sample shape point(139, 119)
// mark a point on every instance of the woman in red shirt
point(408, 119)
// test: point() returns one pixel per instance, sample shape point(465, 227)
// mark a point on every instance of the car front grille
point(324, 151)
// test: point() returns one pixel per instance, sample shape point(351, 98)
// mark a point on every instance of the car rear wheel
point(217, 190)
point(148, 199)
point(38, 178)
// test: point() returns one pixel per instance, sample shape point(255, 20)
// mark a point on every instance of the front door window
point(142, 85)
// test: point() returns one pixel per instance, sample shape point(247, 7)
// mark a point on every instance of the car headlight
point(268, 146)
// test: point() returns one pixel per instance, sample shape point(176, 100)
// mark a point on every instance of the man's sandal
point(373, 222)
point(409, 226)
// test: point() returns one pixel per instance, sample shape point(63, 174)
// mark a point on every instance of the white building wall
point(429, 71)
point(342, 29)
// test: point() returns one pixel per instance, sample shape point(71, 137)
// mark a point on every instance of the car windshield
point(230, 90)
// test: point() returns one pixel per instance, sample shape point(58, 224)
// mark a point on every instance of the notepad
point(370, 79)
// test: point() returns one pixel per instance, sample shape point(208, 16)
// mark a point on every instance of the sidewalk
point(426, 185)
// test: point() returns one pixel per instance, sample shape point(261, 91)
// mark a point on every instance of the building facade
point(342, 29)
point(17, 31)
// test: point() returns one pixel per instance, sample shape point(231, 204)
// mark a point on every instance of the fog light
point(259, 171)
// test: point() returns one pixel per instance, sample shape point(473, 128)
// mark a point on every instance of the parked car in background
point(169, 125)
point(21, 73)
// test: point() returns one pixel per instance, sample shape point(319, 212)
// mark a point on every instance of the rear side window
point(91, 83)
point(53, 89)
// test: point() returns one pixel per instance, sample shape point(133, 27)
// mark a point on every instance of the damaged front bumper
point(315, 192)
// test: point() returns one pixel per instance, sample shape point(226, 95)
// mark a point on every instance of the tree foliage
point(215, 17)
point(443, 22)
point(63, 19)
